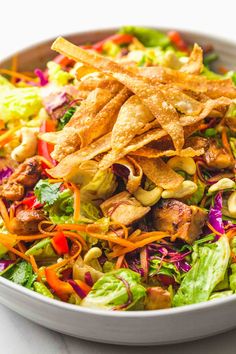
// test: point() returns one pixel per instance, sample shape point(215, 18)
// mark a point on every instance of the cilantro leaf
point(66, 118)
point(22, 273)
point(47, 192)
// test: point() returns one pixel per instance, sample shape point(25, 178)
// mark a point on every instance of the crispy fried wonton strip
point(103, 122)
point(135, 173)
point(89, 108)
point(132, 117)
point(71, 162)
point(159, 172)
point(199, 84)
point(210, 105)
point(153, 153)
point(102, 81)
point(151, 95)
point(195, 62)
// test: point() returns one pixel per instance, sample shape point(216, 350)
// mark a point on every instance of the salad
point(117, 172)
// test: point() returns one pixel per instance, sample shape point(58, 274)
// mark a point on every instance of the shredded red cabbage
point(5, 173)
point(215, 214)
point(41, 76)
point(88, 279)
point(77, 288)
point(53, 102)
point(4, 263)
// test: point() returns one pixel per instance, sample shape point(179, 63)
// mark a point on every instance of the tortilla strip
point(102, 81)
point(89, 108)
point(195, 62)
point(135, 173)
point(103, 122)
point(209, 106)
point(199, 84)
point(151, 95)
point(71, 162)
point(132, 117)
point(153, 153)
point(159, 172)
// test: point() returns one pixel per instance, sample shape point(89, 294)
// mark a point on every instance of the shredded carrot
point(119, 262)
point(13, 250)
point(45, 222)
point(65, 261)
point(114, 239)
point(14, 67)
point(21, 247)
point(35, 237)
point(8, 136)
point(35, 267)
point(231, 233)
point(203, 201)
point(76, 202)
point(146, 235)
point(16, 75)
point(56, 180)
point(71, 227)
point(2, 125)
point(4, 213)
point(77, 236)
point(134, 235)
point(136, 245)
point(46, 162)
point(213, 229)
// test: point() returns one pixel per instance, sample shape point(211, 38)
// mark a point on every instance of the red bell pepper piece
point(32, 202)
point(63, 61)
point(119, 38)
point(178, 41)
point(44, 148)
point(60, 243)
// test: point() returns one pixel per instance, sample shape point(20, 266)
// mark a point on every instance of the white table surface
point(26, 22)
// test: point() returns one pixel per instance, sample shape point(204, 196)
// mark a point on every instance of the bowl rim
point(100, 312)
point(127, 314)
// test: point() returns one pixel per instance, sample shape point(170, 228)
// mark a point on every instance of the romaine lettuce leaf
point(208, 270)
point(57, 75)
point(147, 36)
point(120, 289)
point(19, 103)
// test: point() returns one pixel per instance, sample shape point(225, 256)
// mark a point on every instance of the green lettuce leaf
point(220, 294)
point(102, 186)
point(147, 36)
point(66, 117)
point(168, 269)
point(19, 103)
point(111, 291)
point(56, 75)
point(210, 262)
point(22, 274)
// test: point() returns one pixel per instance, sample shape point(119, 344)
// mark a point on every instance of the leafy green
point(66, 118)
point(5, 84)
point(34, 250)
point(210, 58)
point(231, 112)
point(112, 291)
point(210, 263)
point(57, 75)
point(42, 289)
point(232, 75)
point(47, 192)
point(102, 186)
point(19, 103)
point(147, 36)
point(220, 294)
point(210, 133)
point(232, 277)
point(90, 211)
point(21, 273)
point(211, 75)
point(158, 267)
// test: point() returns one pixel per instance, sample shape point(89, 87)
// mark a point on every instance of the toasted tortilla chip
point(70, 164)
point(153, 153)
point(132, 117)
point(51, 137)
point(159, 172)
point(198, 84)
point(67, 143)
point(209, 106)
point(151, 95)
point(135, 173)
point(103, 122)
point(195, 62)
point(89, 108)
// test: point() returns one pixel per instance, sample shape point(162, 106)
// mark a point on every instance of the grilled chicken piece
point(26, 222)
point(124, 208)
point(157, 298)
point(27, 173)
point(12, 191)
point(179, 219)
point(217, 157)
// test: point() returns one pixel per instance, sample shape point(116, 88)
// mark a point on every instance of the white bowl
point(132, 328)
